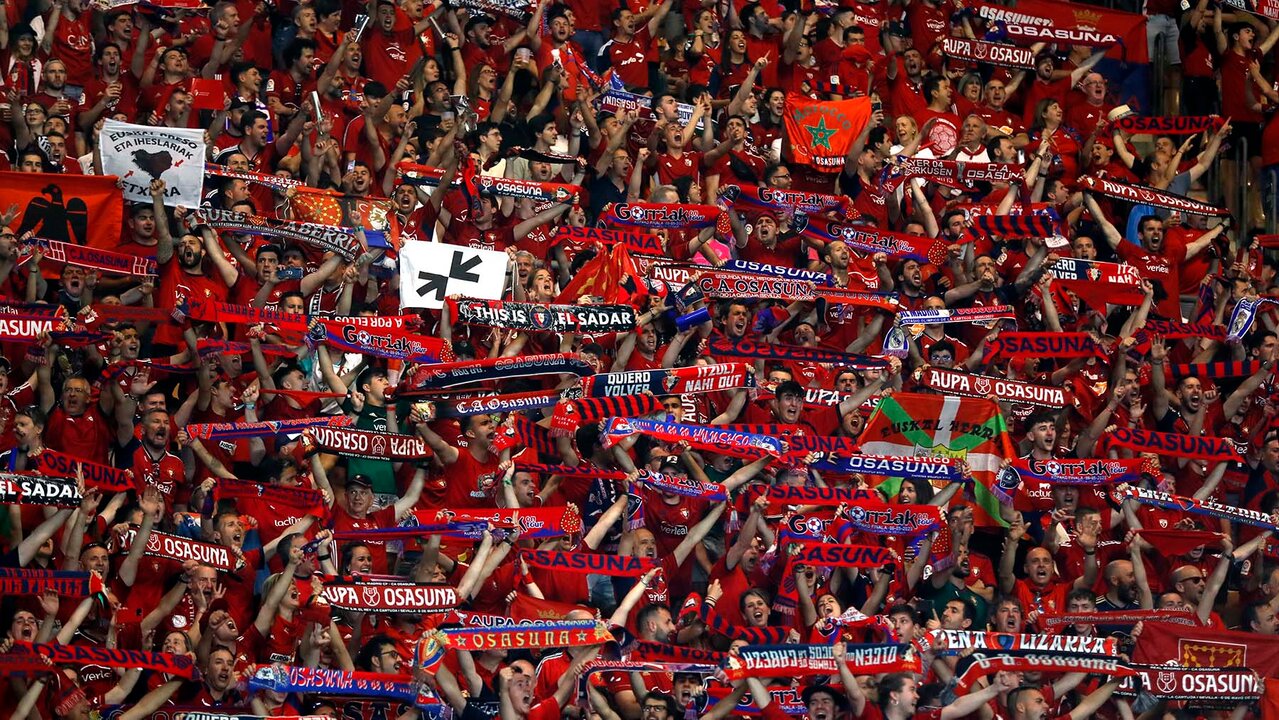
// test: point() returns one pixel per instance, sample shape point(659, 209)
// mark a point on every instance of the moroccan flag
point(324, 207)
point(968, 429)
point(821, 133)
point(611, 275)
point(76, 209)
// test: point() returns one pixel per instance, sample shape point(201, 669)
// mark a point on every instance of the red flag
point(821, 133)
point(325, 207)
point(1270, 700)
point(610, 275)
point(76, 209)
point(1166, 644)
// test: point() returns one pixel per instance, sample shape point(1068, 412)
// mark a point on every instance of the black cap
point(478, 20)
point(841, 702)
point(361, 480)
point(672, 461)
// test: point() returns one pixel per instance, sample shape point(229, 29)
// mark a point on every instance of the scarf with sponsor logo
point(674, 381)
point(1144, 195)
point(1063, 345)
point(954, 382)
point(104, 477)
point(956, 174)
point(265, 428)
point(564, 634)
point(984, 666)
point(1088, 471)
point(444, 375)
point(701, 437)
point(681, 485)
point(672, 216)
point(1175, 444)
point(28, 657)
point(927, 468)
point(1170, 125)
point(20, 489)
point(22, 581)
point(93, 258)
point(1120, 617)
point(881, 518)
point(356, 335)
point(176, 547)
point(303, 500)
point(957, 641)
point(492, 404)
point(533, 523)
point(1218, 369)
point(543, 317)
point(350, 442)
point(724, 347)
point(869, 239)
point(588, 563)
point(751, 197)
point(1207, 508)
point(807, 660)
point(1006, 56)
point(1171, 543)
point(636, 242)
point(1200, 687)
point(390, 597)
point(570, 414)
point(941, 316)
point(340, 683)
point(326, 238)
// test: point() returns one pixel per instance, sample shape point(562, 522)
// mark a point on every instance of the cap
point(840, 701)
point(478, 20)
point(672, 461)
point(1121, 111)
point(691, 604)
point(361, 480)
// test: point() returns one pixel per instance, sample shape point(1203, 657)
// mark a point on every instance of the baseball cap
point(361, 480)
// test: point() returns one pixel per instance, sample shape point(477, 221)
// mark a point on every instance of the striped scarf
point(570, 414)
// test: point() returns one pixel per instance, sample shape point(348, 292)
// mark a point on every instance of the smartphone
point(288, 273)
point(361, 22)
point(73, 93)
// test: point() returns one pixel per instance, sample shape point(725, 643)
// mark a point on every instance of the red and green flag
point(968, 429)
point(821, 133)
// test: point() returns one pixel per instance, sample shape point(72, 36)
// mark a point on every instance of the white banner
point(430, 272)
point(138, 154)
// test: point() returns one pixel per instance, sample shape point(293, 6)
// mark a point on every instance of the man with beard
point(1029, 703)
point(262, 153)
point(471, 472)
point(152, 463)
point(644, 545)
point(187, 280)
point(111, 90)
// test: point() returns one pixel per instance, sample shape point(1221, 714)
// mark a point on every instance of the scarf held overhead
point(969, 385)
point(543, 317)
